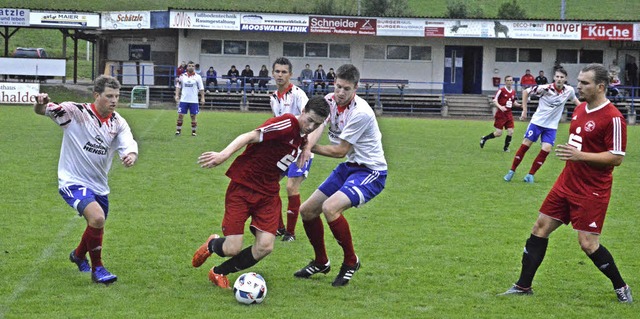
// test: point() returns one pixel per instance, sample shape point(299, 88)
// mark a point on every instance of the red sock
point(292, 213)
point(519, 156)
point(94, 246)
point(542, 156)
point(81, 250)
point(194, 126)
point(315, 233)
point(342, 233)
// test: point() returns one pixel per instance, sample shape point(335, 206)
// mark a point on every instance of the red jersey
point(503, 96)
point(599, 130)
point(261, 165)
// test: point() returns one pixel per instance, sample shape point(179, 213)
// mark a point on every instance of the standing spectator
point(187, 90)
point(289, 98)
point(631, 73)
point(320, 78)
point(331, 77)
point(544, 123)
point(527, 80)
point(580, 196)
point(232, 79)
point(93, 132)
point(179, 70)
point(614, 71)
point(541, 79)
point(254, 188)
point(354, 134)
point(306, 78)
point(264, 79)
point(212, 77)
point(504, 100)
point(247, 77)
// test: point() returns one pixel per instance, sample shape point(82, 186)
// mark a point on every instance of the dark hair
point(563, 71)
point(601, 75)
point(103, 82)
point(348, 72)
point(319, 105)
point(507, 76)
point(282, 61)
point(190, 62)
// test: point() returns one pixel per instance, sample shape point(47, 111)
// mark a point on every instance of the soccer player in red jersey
point(254, 188)
point(580, 196)
point(504, 100)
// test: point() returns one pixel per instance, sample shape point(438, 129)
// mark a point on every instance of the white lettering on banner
point(341, 23)
point(602, 31)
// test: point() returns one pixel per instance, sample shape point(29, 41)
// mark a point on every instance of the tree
point(385, 8)
point(511, 11)
point(457, 9)
point(334, 7)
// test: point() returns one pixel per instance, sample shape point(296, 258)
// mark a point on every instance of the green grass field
point(441, 241)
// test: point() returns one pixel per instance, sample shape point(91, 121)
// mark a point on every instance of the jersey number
point(284, 162)
point(575, 141)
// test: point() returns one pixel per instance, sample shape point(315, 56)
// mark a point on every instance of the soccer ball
point(250, 288)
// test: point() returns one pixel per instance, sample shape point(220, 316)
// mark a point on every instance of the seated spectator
point(614, 71)
point(211, 77)
point(198, 70)
point(306, 77)
point(541, 79)
point(232, 79)
point(247, 77)
point(527, 79)
point(319, 78)
point(331, 77)
point(264, 79)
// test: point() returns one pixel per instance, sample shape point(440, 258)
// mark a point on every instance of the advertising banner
point(204, 20)
point(398, 27)
point(65, 19)
point(122, 20)
point(14, 17)
point(342, 25)
point(274, 23)
point(467, 29)
point(434, 28)
point(18, 93)
point(607, 31)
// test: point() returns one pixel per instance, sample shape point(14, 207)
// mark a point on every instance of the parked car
point(35, 53)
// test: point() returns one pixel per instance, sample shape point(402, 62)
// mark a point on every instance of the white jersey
point(89, 144)
point(358, 125)
point(190, 86)
point(292, 101)
point(551, 103)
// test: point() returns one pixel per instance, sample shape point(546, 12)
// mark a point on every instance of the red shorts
point(242, 202)
point(584, 214)
point(503, 120)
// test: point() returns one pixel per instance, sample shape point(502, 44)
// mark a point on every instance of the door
point(462, 70)
point(453, 61)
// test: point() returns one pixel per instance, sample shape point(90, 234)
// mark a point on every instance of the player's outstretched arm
point(336, 150)
point(42, 100)
point(312, 139)
point(213, 159)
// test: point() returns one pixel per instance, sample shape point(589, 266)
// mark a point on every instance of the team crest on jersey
point(99, 139)
point(590, 126)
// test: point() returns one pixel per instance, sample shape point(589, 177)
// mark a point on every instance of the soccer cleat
point(280, 232)
point(288, 237)
point(102, 276)
point(517, 290)
point(509, 176)
point(345, 274)
point(82, 263)
point(482, 141)
point(624, 294)
point(506, 150)
point(178, 133)
point(219, 280)
point(528, 179)
point(312, 268)
point(201, 255)
point(194, 134)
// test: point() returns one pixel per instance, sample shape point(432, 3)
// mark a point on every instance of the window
point(259, 48)
point(530, 55)
point(374, 52)
point(317, 50)
point(235, 47)
point(211, 46)
point(340, 51)
point(398, 52)
point(506, 54)
point(567, 56)
point(421, 53)
point(292, 49)
point(591, 56)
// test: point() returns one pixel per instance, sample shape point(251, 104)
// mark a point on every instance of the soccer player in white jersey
point(187, 89)
point(93, 133)
point(354, 134)
point(288, 98)
point(544, 122)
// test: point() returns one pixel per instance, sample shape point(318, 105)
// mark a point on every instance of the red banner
point(345, 25)
point(607, 31)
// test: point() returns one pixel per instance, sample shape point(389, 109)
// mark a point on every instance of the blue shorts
point(295, 171)
point(193, 108)
point(358, 182)
point(78, 197)
point(534, 131)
